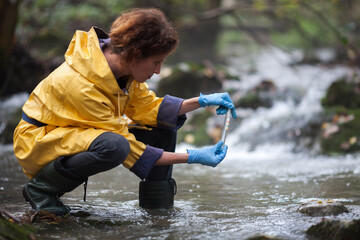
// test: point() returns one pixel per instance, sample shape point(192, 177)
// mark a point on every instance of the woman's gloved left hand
point(210, 156)
point(222, 100)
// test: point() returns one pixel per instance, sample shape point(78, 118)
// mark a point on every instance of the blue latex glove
point(222, 100)
point(210, 156)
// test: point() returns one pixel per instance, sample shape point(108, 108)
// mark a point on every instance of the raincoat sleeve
point(145, 109)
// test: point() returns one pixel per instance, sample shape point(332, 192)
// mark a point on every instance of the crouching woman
point(95, 112)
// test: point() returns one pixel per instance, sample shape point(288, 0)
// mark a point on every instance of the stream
point(256, 190)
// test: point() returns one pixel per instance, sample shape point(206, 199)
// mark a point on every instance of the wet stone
point(81, 214)
point(322, 208)
point(335, 230)
point(263, 237)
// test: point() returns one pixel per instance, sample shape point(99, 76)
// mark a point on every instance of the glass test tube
point(226, 125)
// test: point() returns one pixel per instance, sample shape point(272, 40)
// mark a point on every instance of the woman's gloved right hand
point(210, 156)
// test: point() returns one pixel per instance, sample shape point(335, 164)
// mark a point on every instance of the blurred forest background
point(34, 34)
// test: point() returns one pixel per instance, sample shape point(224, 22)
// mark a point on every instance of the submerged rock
point(322, 208)
point(263, 237)
point(335, 230)
point(344, 92)
point(262, 95)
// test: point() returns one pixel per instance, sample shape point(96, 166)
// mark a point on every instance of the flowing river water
point(255, 190)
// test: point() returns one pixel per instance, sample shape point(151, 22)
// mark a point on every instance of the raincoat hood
point(85, 56)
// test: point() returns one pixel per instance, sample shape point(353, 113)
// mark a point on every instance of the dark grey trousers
point(110, 150)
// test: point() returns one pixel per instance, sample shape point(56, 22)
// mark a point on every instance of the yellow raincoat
point(78, 101)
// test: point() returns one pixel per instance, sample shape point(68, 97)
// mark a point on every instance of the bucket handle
point(173, 184)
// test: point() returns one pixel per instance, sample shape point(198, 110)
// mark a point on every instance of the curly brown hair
point(147, 30)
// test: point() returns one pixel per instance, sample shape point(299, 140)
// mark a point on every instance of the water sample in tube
point(226, 125)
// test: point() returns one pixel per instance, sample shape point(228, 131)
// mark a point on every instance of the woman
point(95, 112)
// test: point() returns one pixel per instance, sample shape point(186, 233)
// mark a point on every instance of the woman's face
point(143, 69)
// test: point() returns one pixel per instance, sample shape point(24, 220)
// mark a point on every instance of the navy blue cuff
point(146, 161)
point(168, 115)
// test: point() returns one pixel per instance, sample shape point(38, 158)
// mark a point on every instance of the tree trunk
point(8, 20)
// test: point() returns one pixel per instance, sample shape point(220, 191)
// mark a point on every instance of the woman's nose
point(157, 69)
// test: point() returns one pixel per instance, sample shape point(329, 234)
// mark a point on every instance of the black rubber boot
point(42, 192)
point(157, 194)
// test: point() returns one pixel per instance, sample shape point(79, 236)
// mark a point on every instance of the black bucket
point(157, 194)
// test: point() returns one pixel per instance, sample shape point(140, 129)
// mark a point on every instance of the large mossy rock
point(265, 94)
point(335, 230)
point(187, 81)
point(342, 133)
point(262, 95)
point(341, 129)
point(344, 92)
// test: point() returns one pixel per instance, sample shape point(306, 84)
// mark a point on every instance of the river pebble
point(322, 208)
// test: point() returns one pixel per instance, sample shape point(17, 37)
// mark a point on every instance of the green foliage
point(229, 37)
point(310, 36)
point(48, 25)
point(298, 24)
point(291, 39)
point(259, 5)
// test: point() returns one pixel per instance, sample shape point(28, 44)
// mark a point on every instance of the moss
point(14, 231)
